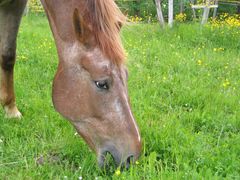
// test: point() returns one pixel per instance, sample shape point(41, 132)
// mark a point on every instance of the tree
point(159, 13)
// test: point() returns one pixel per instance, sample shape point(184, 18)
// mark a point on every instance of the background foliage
point(146, 8)
point(35, 6)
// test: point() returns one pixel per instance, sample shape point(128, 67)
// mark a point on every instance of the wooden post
point(215, 10)
point(206, 12)
point(193, 10)
point(159, 13)
point(170, 13)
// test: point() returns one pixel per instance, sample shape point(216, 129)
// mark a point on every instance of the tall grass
point(184, 88)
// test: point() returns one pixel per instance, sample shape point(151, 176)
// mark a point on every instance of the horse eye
point(102, 85)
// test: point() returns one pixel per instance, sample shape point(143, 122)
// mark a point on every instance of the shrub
point(181, 17)
point(35, 6)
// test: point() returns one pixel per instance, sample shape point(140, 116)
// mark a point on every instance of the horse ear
point(119, 25)
point(80, 27)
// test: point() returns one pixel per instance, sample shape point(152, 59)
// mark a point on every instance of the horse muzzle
point(122, 159)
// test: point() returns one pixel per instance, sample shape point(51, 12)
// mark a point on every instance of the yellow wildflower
point(117, 172)
point(181, 17)
point(199, 62)
point(226, 83)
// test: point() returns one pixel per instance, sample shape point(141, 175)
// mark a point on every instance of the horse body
point(89, 88)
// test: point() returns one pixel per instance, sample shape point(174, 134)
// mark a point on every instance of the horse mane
point(106, 20)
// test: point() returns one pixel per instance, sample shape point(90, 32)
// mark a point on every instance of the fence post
point(159, 13)
point(170, 13)
point(215, 10)
point(206, 13)
point(193, 10)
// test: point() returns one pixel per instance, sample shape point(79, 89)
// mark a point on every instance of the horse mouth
point(108, 159)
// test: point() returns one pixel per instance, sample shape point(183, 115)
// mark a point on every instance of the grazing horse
point(90, 85)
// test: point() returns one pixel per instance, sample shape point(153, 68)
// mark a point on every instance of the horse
point(90, 85)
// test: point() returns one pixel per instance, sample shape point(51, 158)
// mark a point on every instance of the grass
point(184, 88)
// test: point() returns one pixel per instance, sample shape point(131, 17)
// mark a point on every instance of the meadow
point(184, 87)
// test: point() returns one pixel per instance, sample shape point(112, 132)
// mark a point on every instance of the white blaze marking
point(135, 125)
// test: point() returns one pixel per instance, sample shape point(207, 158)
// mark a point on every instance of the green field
point(184, 85)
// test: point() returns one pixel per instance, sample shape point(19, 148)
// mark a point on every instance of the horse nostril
point(106, 160)
point(129, 161)
point(110, 156)
point(101, 159)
